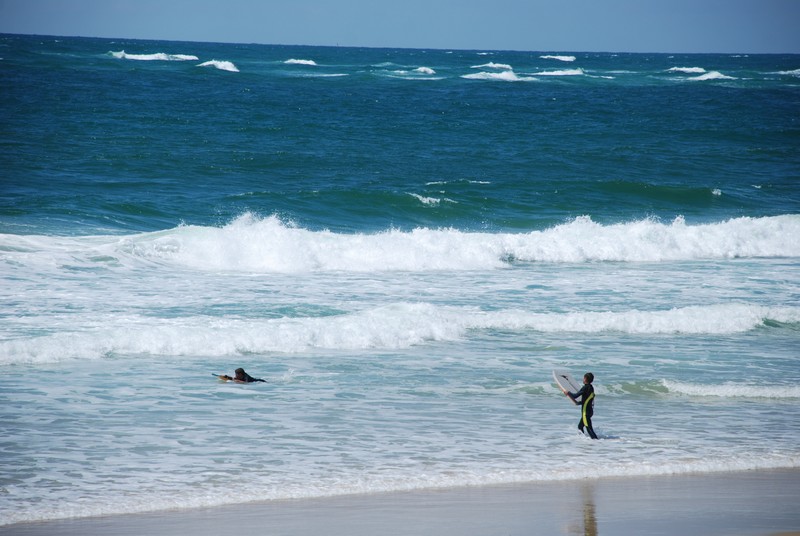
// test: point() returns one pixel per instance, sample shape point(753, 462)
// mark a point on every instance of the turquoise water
point(404, 244)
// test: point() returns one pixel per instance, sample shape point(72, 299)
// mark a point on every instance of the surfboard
point(566, 382)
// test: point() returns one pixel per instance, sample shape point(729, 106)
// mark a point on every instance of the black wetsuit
point(586, 394)
point(249, 379)
point(241, 378)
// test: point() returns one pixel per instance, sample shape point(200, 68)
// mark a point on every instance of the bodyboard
point(566, 382)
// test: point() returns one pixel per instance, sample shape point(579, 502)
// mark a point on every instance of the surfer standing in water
point(586, 395)
point(241, 377)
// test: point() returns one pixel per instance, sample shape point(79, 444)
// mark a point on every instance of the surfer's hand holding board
point(566, 382)
point(569, 395)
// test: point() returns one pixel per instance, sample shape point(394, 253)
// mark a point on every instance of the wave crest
point(493, 65)
point(263, 245)
point(559, 58)
point(293, 61)
point(159, 56)
point(221, 65)
point(712, 75)
point(562, 72)
point(503, 76)
point(687, 70)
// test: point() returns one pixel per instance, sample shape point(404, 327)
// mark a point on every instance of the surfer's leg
point(588, 421)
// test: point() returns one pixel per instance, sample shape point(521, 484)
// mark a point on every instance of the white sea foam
point(465, 181)
point(321, 75)
point(391, 327)
point(293, 61)
point(687, 70)
point(504, 76)
point(420, 73)
point(492, 65)
point(563, 72)
point(712, 75)
point(733, 390)
point(432, 201)
point(263, 245)
point(160, 56)
point(229, 485)
point(795, 72)
point(559, 58)
point(221, 65)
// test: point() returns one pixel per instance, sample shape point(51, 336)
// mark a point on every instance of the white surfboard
point(566, 382)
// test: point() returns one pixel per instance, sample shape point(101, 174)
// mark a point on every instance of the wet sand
point(757, 503)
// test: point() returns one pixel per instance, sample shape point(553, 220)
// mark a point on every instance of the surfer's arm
point(579, 394)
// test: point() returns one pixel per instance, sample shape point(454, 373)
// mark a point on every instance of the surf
point(269, 244)
point(774, 392)
point(396, 326)
point(250, 243)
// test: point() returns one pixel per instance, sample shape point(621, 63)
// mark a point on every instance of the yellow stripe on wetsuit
point(584, 406)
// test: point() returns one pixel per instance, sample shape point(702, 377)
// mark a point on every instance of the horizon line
point(386, 47)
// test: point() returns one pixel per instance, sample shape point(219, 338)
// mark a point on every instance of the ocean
point(404, 244)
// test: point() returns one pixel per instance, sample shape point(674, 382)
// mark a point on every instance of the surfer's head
point(588, 377)
point(240, 374)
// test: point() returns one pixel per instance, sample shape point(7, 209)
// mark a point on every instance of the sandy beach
point(758, 503)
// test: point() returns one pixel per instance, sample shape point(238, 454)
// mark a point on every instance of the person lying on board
point(240, 376)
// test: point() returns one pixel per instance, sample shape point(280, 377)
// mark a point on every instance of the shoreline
point(749, 503)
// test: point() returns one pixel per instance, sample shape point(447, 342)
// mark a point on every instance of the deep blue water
point(342, 144)
point(405, 244)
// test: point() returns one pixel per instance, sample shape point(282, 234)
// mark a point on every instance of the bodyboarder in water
point(240, 376)
point(586, 395)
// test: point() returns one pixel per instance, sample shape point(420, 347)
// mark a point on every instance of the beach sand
point(757, 503)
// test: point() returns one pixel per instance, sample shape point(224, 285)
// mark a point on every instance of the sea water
point(404, 244)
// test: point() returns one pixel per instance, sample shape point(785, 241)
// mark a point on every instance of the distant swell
point(559, 58)
point(562, 72)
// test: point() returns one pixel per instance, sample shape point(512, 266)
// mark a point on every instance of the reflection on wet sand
point(585, 523)
point(589, 515)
